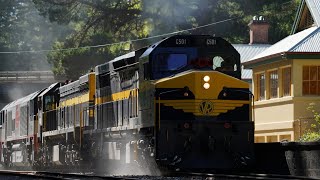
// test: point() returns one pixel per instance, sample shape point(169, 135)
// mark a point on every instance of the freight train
point(179, 103)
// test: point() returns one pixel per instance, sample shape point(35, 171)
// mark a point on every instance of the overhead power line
point(134, 40)
point(121, 42)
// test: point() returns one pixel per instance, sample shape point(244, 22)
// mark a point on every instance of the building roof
point(314, 8)
point(246, 74)
point(304, 43)
point(247, 52)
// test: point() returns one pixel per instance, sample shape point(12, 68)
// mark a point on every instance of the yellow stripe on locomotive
point(206, 101)
point(81, 96)
point(126, 94)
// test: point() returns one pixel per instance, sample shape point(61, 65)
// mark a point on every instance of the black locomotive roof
point(52, 87)
point(190, 41)
point(173, 41)
point(120, 61)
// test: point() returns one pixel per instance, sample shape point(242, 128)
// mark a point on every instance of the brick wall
point(259, 30)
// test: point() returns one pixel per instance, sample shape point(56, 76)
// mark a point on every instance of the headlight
point(206, 85)
point(206, 78)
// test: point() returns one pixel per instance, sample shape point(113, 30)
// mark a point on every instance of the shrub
point(312, 134)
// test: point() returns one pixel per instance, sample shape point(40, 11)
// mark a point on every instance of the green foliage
point(93, 23)
point(281, 18)
point(70, 24)
point(23, 29)
point(316, 115)
point(72, 64)
point(183, 15)
point(312, 134)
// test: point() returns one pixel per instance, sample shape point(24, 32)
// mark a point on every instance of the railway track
point(245, 176)
point(49, 175)
point(176, 176)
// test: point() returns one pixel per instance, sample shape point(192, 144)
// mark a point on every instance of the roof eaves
point(279, 57)
point(264, 60)
point(303, 55)
point(298, 17)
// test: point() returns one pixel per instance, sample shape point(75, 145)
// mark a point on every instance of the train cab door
point(146, 94)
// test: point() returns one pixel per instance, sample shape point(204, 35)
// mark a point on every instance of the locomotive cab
point(204, 53)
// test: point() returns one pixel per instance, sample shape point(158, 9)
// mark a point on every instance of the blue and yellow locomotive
point(201, 107)
point(180, 103)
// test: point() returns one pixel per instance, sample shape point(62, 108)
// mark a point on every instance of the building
point(286, 79)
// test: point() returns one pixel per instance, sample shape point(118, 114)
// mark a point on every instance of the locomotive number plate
point(211, 42)
point(181, 41)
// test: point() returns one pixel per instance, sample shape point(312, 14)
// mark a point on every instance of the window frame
point(286, 86)
point(258, 86)
point(312, 81)
point(273, 91)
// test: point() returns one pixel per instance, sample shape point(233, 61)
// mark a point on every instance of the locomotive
point(179, 103)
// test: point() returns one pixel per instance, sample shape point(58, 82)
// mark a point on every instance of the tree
point(281, 17)
point(280, 14)
point(312, 134)
point(112, 21)
point(184, 15)
point(93, 22)
point(23, 29)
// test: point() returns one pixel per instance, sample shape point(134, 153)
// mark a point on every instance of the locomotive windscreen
point(181, 53)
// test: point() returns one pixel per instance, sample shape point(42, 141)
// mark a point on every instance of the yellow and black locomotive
point(180, 103)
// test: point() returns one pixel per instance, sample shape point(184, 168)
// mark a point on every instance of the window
point(168, 64)
point(224, 65)
point(260, 86)
point(48, 103)
point(176, 61)
point(103, 80)
point(216, 61)
point(286, 81)
point(1, 118)
point(273, 75)
point(311, 80)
